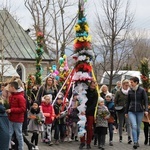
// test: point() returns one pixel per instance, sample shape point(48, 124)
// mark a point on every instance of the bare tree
point(39, 11)
point(112, 30)
point(140, 47)
point(54, 19)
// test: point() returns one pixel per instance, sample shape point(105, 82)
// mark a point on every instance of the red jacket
point(17, 104)
point(48, 112)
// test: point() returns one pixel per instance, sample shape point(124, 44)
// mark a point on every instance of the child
point(110, 105)
point(59, 124)
point(68, 124)
point(74, 116)
point(49, 114)
point(36, 122)
point(101, 122)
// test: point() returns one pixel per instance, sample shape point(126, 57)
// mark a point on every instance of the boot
point(120, 139)
point(88, 146)
point(129, 140)
point(76, 138)
point(81, 145)
point(72, 136)
point(135, 146)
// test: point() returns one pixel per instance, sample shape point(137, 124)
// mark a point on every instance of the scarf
point(35, 111)
point(135, 88)
point(125, 92)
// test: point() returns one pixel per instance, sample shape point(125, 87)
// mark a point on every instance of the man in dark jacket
point(91, 103)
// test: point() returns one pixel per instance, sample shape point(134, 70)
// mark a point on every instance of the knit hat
point(100, 100)
point(109, 95)
point(60, 97)
point(36, 102)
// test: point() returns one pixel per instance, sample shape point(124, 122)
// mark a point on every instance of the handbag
point(111, 119)
point(119, 108)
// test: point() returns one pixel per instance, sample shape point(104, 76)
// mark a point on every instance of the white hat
point(100, 100)
point(109, 95)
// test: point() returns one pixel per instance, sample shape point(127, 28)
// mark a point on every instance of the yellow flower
point(77, 27)
point(86, 28)
point(88, 39)
point(76, 40)
point(81, 39)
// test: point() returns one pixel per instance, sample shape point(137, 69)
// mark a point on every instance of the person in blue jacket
point(4, 129)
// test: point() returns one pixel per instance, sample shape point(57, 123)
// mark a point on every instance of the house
point(17, 47)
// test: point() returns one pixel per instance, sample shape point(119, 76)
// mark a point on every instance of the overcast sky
point(141, 9)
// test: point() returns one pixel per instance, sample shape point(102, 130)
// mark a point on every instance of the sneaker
point(46, 141)
point(65, 139)
point(81, 145)
point(56, 142)
point(102, 148)
point(135, 146)
point(115, 131)
point(33, 148)
point(69, 140)
point(110, 143)
point(36, 148)
point(50, 143)
point(88, 146)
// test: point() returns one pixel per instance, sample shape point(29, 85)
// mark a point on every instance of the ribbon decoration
point(97, 88)
point(71, 72)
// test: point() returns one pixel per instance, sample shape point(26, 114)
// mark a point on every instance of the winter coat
point(102, 112)
point(48, 112)
point(120, 98)
point(91, 103)
point(137, 100)
point(17, 105)
point(111, 108)
point(34, 117)
point(58, 111)
point(4, 129)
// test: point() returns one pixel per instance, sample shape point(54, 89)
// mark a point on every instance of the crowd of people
point(51, 118)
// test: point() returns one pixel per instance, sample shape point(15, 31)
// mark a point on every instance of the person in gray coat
point(101, 122)
point(4, 129)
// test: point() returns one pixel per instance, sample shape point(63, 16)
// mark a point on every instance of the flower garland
point(39, 52)
point(83, 55)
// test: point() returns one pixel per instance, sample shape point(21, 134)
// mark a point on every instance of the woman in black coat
point(4, 129)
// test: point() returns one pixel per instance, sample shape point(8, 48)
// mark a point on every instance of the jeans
point(110, 127)
point(135, 120)
point(59, 130)
point(121, 119)
point(17, 128)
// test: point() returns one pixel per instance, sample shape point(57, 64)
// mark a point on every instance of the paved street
point(75, 145)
